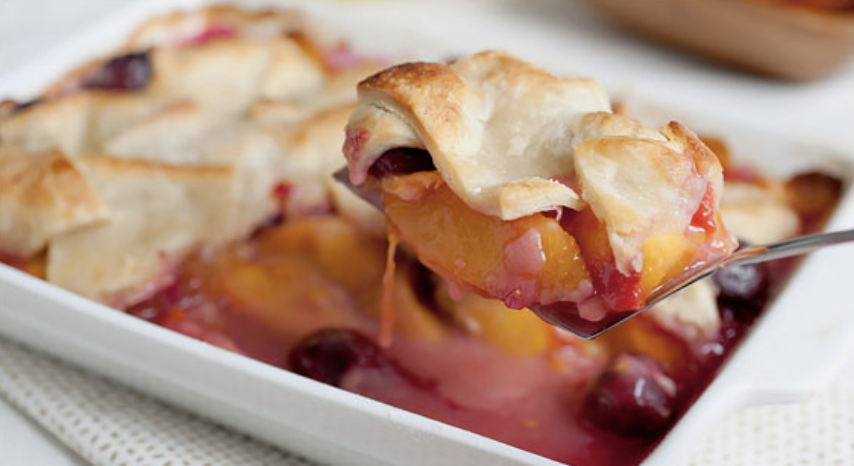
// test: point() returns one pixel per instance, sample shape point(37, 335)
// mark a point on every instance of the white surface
point(121, 427)
point(23, 442)
point(547, 32)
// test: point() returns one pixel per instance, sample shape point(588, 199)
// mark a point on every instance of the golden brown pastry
point(203, 126)
point(43, 195)
point(528, 188)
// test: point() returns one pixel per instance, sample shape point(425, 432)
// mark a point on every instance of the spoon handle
point(792, 247)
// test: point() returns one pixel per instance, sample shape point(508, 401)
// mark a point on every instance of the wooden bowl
point(787, 41)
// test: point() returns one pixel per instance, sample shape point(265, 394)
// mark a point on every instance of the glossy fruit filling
point(538, 260)
point(529, 260)
point(304, 294)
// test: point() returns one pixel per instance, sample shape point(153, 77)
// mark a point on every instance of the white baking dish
point(794, 349)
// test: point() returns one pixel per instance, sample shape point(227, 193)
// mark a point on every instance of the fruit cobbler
point(524, 187)
point(187, 181)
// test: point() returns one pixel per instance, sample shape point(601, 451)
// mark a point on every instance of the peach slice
point(563, 269)
point(354, 261)
point(516, 332)
point(524, 261)
point(289, 295)
point(339, 249)
point(664, 257)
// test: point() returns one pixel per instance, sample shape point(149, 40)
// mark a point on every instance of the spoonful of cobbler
point(524, 187)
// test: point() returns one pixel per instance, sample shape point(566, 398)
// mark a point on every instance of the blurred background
point(587, 38)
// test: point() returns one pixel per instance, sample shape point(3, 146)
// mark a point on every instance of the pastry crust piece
point(193, 27)
point(202, 127)
point(512, 140)
point(498, 129)
point(174, 134)
point(43, 195)
point(642, 188)
point(757, 213)
point(229, 74)
point(159, 212)
point(75, 124)
point(163, 209)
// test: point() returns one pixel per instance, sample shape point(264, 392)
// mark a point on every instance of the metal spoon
point(565, 315)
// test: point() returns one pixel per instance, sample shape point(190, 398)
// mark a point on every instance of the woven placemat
point(109, 425)
point(819, 432)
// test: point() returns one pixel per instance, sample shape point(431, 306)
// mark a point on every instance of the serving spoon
point(565, 315)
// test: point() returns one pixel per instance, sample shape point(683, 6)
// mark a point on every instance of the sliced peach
point(289, 295)
point(536, 260)
point(36, 266)
point(353, 260)
point(516, 332)
point(664, 258)
point(340, 250)
point(524, 261)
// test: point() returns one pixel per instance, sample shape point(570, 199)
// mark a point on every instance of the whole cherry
point(402, 161)
point(128, 72)
point(633, 396)
point(327, 355)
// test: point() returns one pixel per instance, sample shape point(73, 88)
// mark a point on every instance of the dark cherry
point(633, 396)
point(552, 213)
point(743, 291)
point(401, 161)
point(123, 73)
point(327, 355)
point(743, 283)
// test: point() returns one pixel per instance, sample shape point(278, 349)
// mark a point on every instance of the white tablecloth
point(820, 432)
